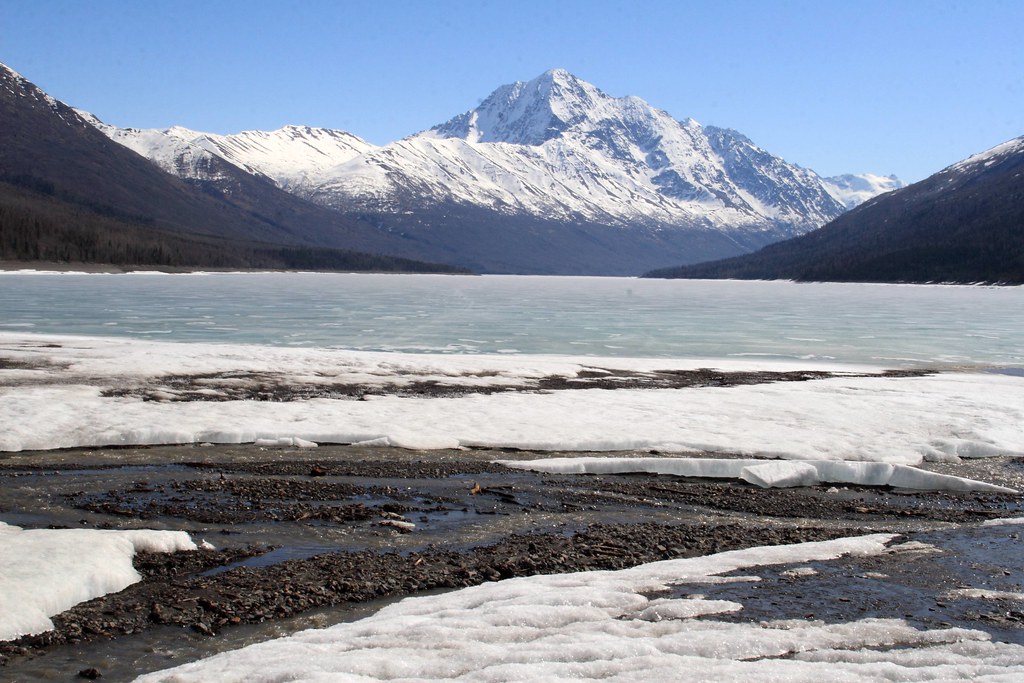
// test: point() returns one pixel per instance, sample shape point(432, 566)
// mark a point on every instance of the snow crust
point(1003, 521)
point(614, 626)
point(44, 572)
point(70, 391)
point(773, 474)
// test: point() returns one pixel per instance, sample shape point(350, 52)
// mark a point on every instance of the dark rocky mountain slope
point(67, 192)
point(964, 224)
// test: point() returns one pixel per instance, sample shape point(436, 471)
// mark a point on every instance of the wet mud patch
point(854, 503)
point(436, 521)
point(251, 386)
point(228, 502)
point(239, 501)
point(8, 363)
point(331, 493)
point(938, 580)
point(438, 468)
point(173, 594)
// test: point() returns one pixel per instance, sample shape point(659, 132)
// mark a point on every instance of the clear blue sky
point(905, 86)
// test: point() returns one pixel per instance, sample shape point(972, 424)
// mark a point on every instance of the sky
point(904, 87)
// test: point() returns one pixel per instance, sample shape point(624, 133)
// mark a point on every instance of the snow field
point(56, 401)
point(617, 626)
point(44, 572)
point(614, 626)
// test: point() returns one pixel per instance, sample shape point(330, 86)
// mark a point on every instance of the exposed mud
point(263, 386)
point(301, 530)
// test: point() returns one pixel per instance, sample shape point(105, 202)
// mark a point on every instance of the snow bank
point(67, 396)
point(605, 625)
point(774, 474)
point(285, 442)
point(44, 572)
point(1003, 521)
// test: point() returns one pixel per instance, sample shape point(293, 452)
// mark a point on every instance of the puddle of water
point(276, 556)
point(443, 516)
point(1013, 372)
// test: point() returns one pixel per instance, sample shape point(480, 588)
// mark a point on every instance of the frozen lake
point(894, 325)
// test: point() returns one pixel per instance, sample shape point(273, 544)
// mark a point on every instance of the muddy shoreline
point(299, 530)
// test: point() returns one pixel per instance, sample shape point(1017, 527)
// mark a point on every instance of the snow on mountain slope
point(295, 157)
point(853, 189)
point(550, 168)
point(557, 147)
point(555, 181)
point(989, 156)
point(170, 149)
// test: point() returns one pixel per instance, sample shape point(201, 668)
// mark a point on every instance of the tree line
point(37, 227)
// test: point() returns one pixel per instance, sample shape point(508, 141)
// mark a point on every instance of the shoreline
point(114, 269)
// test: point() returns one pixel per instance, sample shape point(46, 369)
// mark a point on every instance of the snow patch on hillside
point(854, 189)
point(990, 156)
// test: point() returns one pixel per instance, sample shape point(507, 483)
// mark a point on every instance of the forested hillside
point(69, 194)
point(35, 226)
point(964, 224)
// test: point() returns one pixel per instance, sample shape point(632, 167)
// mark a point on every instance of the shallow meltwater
point(415, 517)
point(967, 577)
point(127, 657)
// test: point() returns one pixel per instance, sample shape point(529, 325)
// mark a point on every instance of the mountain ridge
point(547, 176)
point(964, 224)
point(539, 153)
point(59, 174)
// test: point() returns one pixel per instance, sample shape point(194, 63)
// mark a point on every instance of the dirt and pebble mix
point(299, 530)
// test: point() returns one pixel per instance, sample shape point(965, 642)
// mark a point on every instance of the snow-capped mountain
point(631, 186)
point(170, 150)
point(853, 189)
point(557, 147)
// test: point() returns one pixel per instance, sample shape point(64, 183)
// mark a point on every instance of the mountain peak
point(559, 84)
point(557, 74)
point(853, 189)
point(527, 112)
